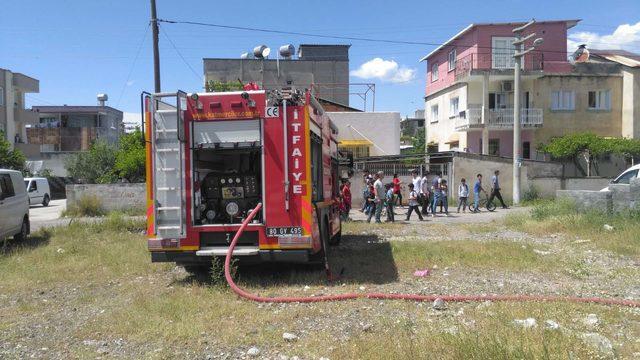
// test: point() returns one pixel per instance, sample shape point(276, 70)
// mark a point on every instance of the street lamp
point(518, 55)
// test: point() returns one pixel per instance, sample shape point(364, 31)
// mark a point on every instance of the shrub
point(531, 194)
point(10, 159)
point(87, 205)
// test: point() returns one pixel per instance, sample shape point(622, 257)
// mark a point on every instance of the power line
point(135, 60)
point(283, 32)
point(338, 37)
point(38, 99)
point(179, 53)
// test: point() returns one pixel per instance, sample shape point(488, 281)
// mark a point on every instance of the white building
point(365, 134)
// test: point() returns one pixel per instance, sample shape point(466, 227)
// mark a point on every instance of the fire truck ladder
point(167, 139)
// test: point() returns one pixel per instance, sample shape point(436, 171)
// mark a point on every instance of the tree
point(131, 157)
point(11, 159)
point(418, 142)
point(589, 146)
point(95, 166)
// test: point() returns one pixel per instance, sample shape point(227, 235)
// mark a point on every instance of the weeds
point(216, 273)
point(87, 205)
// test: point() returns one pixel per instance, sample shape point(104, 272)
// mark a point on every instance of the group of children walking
point(422, 193)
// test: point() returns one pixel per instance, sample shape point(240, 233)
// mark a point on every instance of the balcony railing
point(498, 119)
point(464, 65)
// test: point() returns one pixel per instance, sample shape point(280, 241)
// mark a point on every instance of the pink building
point(469, 91)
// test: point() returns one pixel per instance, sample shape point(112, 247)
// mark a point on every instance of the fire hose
point(412, 297)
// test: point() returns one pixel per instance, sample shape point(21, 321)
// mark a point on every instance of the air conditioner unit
point(507, 86)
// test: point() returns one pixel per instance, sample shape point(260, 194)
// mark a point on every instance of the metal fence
point(401, 165)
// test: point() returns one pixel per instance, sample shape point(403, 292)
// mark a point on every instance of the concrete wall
point(593, 183)
point(112, 196)
point(381, 128)
point(324, 74)
point(619, 198)
point(55, 162)
point(587, 200)
point(546, 176)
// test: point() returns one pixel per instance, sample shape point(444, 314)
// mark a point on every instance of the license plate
point(284, 231)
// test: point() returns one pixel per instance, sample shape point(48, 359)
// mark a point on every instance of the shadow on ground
point(40, 238)
point(359, 259)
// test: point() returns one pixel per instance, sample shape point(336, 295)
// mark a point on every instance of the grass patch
point(560, 216)
point(498, 254)
point(81, 253)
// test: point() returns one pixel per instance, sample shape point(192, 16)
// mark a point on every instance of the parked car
point(14, 206)
point(625, 177)
point(38, 191)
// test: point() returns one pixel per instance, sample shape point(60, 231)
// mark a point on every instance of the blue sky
point(80, 48)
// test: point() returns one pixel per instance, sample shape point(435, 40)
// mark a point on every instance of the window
point(454, 106)
point(6, 186)
point(600, 100)
point(434, 113)
point(1, 96)
point(626, 177)
point(434, 72)
point(497, 100)
point(502, 51)
point(563, 100)
point(34, 185)
point(494, 146)
point(526, 150)
point(452, 59)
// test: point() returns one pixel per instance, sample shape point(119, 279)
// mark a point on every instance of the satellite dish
point(261, 52)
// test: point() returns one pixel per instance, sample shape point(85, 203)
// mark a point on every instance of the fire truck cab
point(212, 157)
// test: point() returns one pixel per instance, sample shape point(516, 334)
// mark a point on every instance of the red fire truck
point(212, 157)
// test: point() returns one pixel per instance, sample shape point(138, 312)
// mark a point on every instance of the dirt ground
point(86, 291)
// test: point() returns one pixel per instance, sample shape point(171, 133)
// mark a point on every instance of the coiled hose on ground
point(413, 297)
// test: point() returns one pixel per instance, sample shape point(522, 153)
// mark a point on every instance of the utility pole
point(156, 51)
point(519, 54)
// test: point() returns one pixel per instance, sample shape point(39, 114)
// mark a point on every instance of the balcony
point(498, 119)
point(69, 138)
point(498, 62)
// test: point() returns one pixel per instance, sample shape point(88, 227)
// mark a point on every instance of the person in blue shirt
point(477, 187)
point(495, 190)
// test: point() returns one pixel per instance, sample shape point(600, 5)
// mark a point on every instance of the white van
point(625, 177)
point(14, 206)
point(38, 191)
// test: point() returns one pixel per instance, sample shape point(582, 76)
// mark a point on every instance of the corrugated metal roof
point(623, 57)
